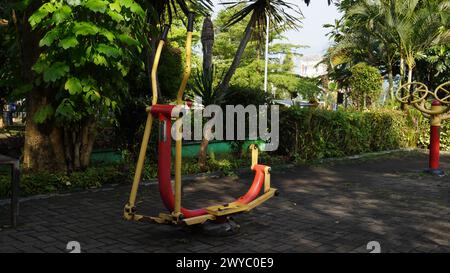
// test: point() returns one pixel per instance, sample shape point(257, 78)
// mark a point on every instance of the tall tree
point(259, 11)
point(205, 87)
point(420, 27)
point(380, 19)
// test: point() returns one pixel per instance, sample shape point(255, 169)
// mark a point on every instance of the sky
point(312, 33)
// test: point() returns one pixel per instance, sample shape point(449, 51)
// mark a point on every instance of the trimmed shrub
point(309, 134)
point(51, 182)
point(366, 85)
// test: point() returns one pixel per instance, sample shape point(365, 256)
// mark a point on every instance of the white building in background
point(308, 66)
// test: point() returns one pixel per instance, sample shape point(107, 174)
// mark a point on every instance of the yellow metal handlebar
point(178, 143)
point(187, 69)
point(154, 73)
point(129, 210)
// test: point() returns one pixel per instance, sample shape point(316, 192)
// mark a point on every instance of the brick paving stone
point(334, 207)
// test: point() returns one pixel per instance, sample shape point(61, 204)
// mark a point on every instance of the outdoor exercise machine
point(434, 106)
point(259, 192)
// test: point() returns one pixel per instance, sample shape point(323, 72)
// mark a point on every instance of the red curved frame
point(164, 114)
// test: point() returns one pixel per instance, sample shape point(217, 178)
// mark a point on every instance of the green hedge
point(310, 134)
point(49, 182)
point(424, 134)
point(44, 182)
point(305, 135)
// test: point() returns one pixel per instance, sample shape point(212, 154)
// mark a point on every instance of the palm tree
point(204, 83)
point(379, 19)
point(276, 10)
point(420, 28)
point(164, 10)
point(207, 39)
point(308, 1)
point(259, 11)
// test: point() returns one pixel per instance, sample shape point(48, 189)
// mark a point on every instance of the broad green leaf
point(49, 37)
point(115, 16)
point(93, 95)
point(115, 6)
point(43, 114)
point(127, 40)
point(107, 34)
point(73, 85)
point(136, 8)
point(96, 5)
point(109, 51)
point(100, 60)
point(37, 17)
point(40, 66)
point(126, 3)
point(48, 7)
point(85, 28)
point(55, 71)
point(122, 69)
point(68, 42)
point(66, 110)
point(87, 85)
point(88, 50)
point(107, 102)
point(41, 13)
point(62, 14)
point(113, 105)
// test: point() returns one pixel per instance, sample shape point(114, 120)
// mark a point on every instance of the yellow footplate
point(236, 207)
point(226, 209)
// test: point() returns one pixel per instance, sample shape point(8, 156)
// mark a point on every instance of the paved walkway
point(335, 207)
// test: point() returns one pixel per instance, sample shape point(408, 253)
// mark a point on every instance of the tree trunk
point(207, 44)
point(402, 76)
point(391, 81)
point(237, 58)
point(87, 142)
point(49, 146)
point(410, 74)
point(42, 147)
point(203, 155)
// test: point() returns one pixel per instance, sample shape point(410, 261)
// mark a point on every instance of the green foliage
point(366, 85)
point(284, 85)
point(381, 33)
point(247, 96)
point(250, 73)
point(310, 134)
point(288, 63)
point(308, 88)
point(43, 113)
point(423, 125)
point(170, 72)
point(94, 177)
point(203, 86)
point(52, 182)
point(87, 48)
point(433, 66)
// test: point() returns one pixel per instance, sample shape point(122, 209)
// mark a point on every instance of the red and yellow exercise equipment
point(434, 105)
point(259, 192)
